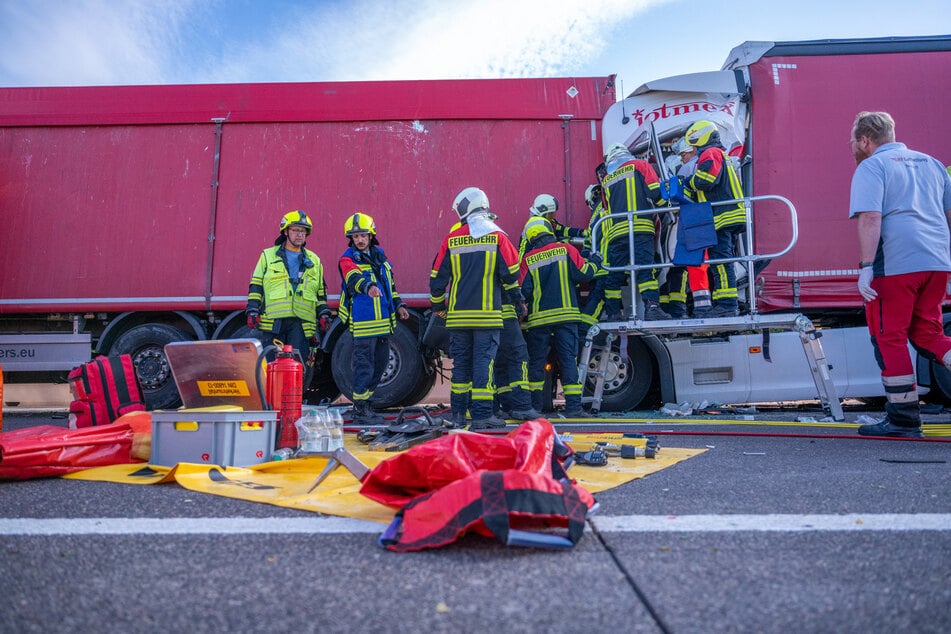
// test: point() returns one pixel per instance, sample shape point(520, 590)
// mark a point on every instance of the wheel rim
point(152, 367)
point(392, 369)
point(615, 376)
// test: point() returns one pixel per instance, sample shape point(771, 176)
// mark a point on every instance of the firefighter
point(369, 304)
point(630, 185)
point(545, 206)
point(513, 398)
point(287, 297)
point(550, 273)
point(479, 263)
point(716, 179)
point(594, 303)
point(680, 279)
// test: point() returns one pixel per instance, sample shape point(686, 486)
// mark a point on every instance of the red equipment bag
point(104, 389)
point(492, 485)
point(48, 450)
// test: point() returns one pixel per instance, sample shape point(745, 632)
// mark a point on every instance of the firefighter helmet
point(615, 151)
point(680, 146)
point(544, 204)
point(538, 226)
point(702, 133)
point(359, 222)
point(296, 218)
point(592, 195)
point(469, 200)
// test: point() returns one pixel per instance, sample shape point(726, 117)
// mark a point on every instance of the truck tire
point(627, 384)
point(146, 345)
point(404, 375)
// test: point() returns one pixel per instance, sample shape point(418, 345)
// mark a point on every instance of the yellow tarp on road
point(286, 483)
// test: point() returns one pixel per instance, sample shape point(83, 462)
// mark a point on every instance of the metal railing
point(749, 259)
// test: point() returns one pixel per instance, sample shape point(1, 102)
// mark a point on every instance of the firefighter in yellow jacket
point(287, 297)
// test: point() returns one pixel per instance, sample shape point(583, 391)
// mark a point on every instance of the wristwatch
point(862, 265)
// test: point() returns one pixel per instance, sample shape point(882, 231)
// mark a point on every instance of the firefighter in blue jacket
point(716, 179)
point(369, 304)
point(287, 297)
point(550, 274)
point(478, 263)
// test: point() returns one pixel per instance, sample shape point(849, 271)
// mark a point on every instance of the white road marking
point(606, 524)
point(772, 523)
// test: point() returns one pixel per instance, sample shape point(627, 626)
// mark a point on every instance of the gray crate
point(231, 439)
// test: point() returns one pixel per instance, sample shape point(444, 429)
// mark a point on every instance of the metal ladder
point(818, 365)
point(812, 347)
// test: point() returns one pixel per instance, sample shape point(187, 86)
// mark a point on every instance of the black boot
point(653, 311)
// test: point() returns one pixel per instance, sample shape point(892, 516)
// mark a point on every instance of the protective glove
point(596, 258)
point(521, 310)
point(325, 320)
point(865, 283)
point(312, 354)
point(254, 320)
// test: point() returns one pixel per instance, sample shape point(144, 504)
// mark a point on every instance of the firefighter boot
point(653, 311)
point(363, 414)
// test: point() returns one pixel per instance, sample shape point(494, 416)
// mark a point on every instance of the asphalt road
point(758, 534)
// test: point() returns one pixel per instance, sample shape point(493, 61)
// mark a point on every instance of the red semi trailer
point(132, 216)
point(785, 111)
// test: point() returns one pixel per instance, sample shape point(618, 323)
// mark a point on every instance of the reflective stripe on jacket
point(476, 270)
point(715, 180)
point(633, 186)
point(367, 316)
point(272, 293)
point(550, 274)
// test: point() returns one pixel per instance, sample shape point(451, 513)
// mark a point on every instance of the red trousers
point(908, 308)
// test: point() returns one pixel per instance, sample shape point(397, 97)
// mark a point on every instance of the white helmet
point(544, 204)
point(615, 151)
point(592, 195)
point(680, 146)
point(469, 200)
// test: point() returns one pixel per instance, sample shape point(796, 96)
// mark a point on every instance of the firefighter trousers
point(724, 275)
point(511, 368)
point(289, 331)
point(564, 339)
point(473, 353)
point(370, 356)
point(619, 255)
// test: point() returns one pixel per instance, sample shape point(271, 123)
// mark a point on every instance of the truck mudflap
point(44, 352)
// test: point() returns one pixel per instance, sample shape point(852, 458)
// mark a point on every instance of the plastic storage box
point(230, 439)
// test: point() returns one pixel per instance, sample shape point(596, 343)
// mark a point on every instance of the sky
point(122, 42)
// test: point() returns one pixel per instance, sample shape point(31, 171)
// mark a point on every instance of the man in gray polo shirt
point(902, 201)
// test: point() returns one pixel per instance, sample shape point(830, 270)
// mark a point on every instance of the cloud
point(89, 42)
point(437, 39)
point(85, 42)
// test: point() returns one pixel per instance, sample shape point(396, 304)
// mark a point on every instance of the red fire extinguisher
point(285, 392)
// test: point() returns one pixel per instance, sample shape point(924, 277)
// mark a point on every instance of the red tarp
point(48, 450)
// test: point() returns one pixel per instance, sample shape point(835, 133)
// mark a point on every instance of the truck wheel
point(146, 345)
point(322, 388)
point(405, 370)
point(626, 383)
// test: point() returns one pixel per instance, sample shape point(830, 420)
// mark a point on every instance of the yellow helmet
point(537, 226)
point(297, 218)
point(359, 222)
point(702, 133)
